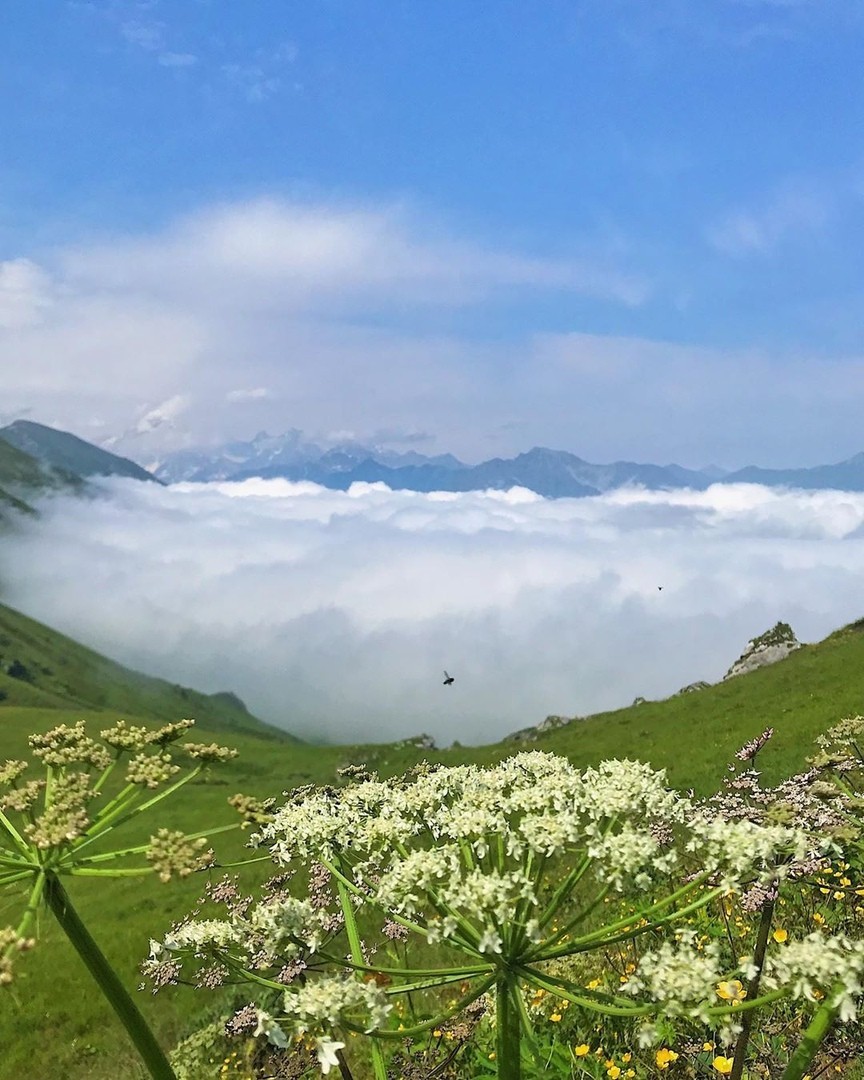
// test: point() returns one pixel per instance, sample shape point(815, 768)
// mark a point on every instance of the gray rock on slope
point(775, 644)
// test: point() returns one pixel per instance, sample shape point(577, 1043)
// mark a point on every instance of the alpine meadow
point(432, 540)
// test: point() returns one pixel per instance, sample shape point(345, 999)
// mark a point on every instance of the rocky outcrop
point(418, 742)
point(692, 687)
point(775, 644)
point(530, 734)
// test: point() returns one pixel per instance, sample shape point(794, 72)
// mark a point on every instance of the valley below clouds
point(333, 614)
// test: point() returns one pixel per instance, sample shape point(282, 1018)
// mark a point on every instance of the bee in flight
point(448, 679)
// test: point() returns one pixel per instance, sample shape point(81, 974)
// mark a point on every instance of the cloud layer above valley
point(334, 614)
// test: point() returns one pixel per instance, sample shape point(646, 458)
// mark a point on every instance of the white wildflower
point(324, 1001)
point(270, 1029)
point(326, 1051)
point(821, 963)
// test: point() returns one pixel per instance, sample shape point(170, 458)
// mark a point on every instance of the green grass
point(54, 1024)
point(60, 673)
point(21, 473)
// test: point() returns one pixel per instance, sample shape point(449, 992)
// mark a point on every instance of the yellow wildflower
point(664, 1057)
point(731, 990)
point(723, 1065)
point(780, 936)
point(582, 1050)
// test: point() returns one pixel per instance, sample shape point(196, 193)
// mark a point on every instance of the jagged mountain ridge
point(550, 473)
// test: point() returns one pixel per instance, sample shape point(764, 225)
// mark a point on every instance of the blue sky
point(618, 227)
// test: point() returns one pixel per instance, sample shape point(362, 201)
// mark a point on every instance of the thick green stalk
point(508, 1028)
point(812, 1038)
point(106, 978)
point(32, 908)
point(753, 991)
point(378, 1065)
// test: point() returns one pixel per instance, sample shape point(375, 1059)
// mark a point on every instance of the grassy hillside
point(40, 668)
point(64, 451)
point(694, 734)
point(53, 1010)
point(21, 473)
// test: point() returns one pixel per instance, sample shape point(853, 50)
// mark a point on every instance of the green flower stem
point(100, 783)
point(570, 882)
point(49, 785)
point(95, 871)
point(139, 849)
point(125, 796)
point(105, 822)
point(812, 1038)
point(16, 837)
point(358, 958)
point(424, 984)
point(352, 888)
point(470, 934)
point(718, 1011)
point(740, 1055)
point(15, 862)
point(598, 940)
point(8, 879)
point(467, 854)
point(245, 975)
point(527, 1023)
point(466, 972)
point(555, 986)
point(107, 980)
point(519, 935)
point(32, 908)
point(508, 1028)
point(242, 862)
point(580, 917)
point(437, 1021)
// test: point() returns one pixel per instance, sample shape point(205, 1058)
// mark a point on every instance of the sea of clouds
point(334, 614)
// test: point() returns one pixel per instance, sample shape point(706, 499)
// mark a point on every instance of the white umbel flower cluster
point(328, 1000)
point(680, 975)
point(821, 963)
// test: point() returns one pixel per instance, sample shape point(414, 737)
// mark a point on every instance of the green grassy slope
point(693, 735)
point(41, 668)
point(54, 1025)
point(62, 450)
point(21, 473)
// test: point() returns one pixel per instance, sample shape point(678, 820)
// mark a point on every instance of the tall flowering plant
point(60, 823)
point(505, 872)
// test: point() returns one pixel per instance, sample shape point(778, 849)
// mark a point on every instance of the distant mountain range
point(551, 473)
point(35, 458)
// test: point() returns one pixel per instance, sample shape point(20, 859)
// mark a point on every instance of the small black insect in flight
point(448, 679)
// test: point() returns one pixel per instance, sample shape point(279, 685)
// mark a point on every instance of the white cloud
point(24, 293)
point(370, 319)
point(335, 613)
point(789, 213)
point(335, 309)
point(256, 393)
point(163, 414)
